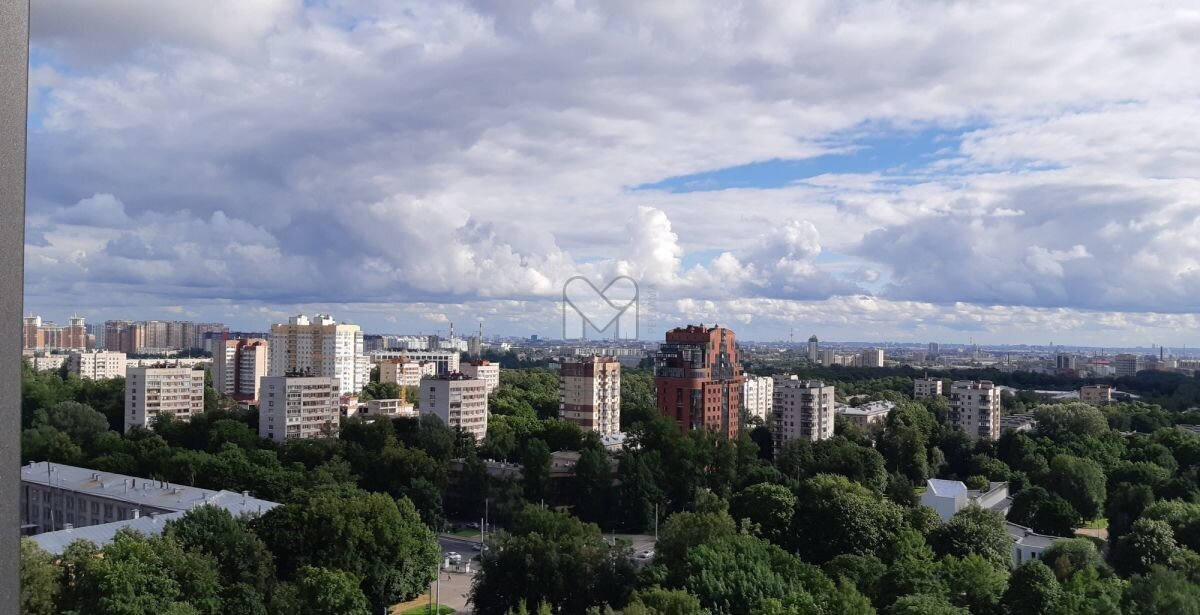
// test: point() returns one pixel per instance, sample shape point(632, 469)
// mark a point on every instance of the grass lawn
point(465, 533)
point(1098, 524)
point(424, 610)
point(920, 490)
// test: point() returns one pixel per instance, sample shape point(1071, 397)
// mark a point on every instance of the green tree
point(1080, 482)
point(45, 443)
point(374, 537)
point(241, 556)
point(551, 557)
point(974, 530)
point(768, 506)
point(1070, 556)
point(863, 571)
point(834, 516)
point(1151, 542)
point(320, 590)
point(975, 583)
point(535, 470)
point(1161, 591)
point(1032, 590)
point(79, 421)
point(666, 602)
point(38, 579)
point(925, 604)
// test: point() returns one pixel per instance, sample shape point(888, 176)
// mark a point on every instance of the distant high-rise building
point(698, 379)
point(870, 357)
point(151, 392)
point(298, 407)
point(1127, 365)
point(829, 357)
point(32, 336)
point(757, 397)
point(1064, 361)
point(37, 334)
point(459, 401)
point(975, 408)
point(813, 349)
point(590, 394)
point(802, 409)
point(320, 347)
point(405, 372)
point(97, 364)
point(486, 371)
point(935, 349)
point(926, 387)
point(444, 361)
point(238, 365)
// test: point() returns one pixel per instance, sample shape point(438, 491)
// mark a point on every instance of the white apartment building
point(758, 394)
point(459, 401)
point(238, 365)
point(975, 408)
point(870, 357)
point(43, 363)
point(1096, 394)
point(446, 361)
point(61, 504)
point(926, 387)
point(320, 347)
point(298, 407)
point(829, 357)
point(868, 414)
point(97, 364)
point(486, 371)
point(151, 392)
point(589, 393)
point(405, 372)
point(802, 409)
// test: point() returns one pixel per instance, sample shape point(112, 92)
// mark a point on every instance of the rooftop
point(946, 488)
point(868, 409)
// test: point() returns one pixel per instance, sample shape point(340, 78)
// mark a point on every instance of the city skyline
point(449, 161)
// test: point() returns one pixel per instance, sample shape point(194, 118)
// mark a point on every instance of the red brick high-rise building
point(698, 379)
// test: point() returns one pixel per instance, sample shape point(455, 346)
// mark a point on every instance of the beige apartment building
point(486, 371)
point(458, 400)
point(320, 347)
point(97, 364)
point(975, 408)
point(802, 409)
point(238, 366)
point(926, 387)
point(298, 407)
point(151, 392)
point(405, 372)
point(1098, 394)
point(589, 393)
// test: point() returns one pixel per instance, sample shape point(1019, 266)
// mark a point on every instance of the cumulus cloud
point(287, 153)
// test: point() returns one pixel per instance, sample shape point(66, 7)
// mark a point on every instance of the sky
point(1016, 172)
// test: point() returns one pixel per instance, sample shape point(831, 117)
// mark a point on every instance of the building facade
point(926, 387)
point(97, 364)
point(320, 347)
point(802, 409)
point(486, 371)
point(1126, 365)
point(1098, 394)
point(975, 408)
point(698, 379)
point(405, 372)
point(298, 407)
point(590, 394)
point(445, 361)
point(151, 392)
point(869, 414)
point(814, 349)
point(758, 397)
point(238, 365)
point(458, 400)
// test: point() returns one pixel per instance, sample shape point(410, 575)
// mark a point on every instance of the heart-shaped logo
point(588, 307)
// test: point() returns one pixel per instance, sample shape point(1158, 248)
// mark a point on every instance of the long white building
point(296, 407)
point(151, 392)
point(975, 408)
point(458, 400)
point(320, 347)
point(802, 409)
point(758, 397)
point(447, 362)
point(97, 364)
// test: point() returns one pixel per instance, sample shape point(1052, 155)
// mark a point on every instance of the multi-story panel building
point(61, 504)
point(870, 357)
point(1096, 394)
point(96, 364)
point(151, 392)
point(975, 408)
point(1127, 365)
point(486, 371)
point(698, 379)
point(590, 394)
point(405, 372)
point(757, 397)
point(446, 362)
point(32, 337)
point(1065, 361)
point(829, 357)
point(460, 401)
point(238, 365)
point(926, 387)
point(814, 349)
point(39, 335)
point(298, 407)
point(320, 347)
point(802, 409)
